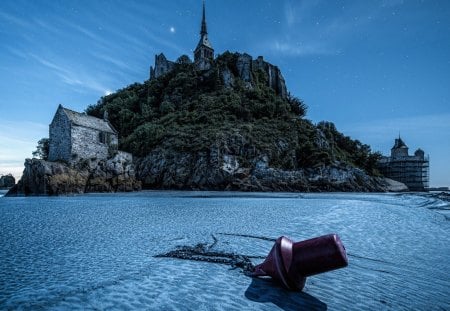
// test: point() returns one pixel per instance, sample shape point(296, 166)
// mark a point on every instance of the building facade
point(74, 136)
point(412, 170)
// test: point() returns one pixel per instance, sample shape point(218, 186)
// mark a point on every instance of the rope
point(202, 252)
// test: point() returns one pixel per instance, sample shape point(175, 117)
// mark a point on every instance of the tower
point(400, 149)
point(204, 52)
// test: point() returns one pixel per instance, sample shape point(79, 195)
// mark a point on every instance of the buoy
point(291, 263)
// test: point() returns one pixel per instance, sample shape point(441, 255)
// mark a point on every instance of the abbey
point(204, 59)
point(203, 54)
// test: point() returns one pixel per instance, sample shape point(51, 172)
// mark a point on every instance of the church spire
point(203, 30)
point(204, 52)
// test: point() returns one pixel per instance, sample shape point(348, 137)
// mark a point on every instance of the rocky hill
point(233, 127)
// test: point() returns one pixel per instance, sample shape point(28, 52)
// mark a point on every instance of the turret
point(420, 154)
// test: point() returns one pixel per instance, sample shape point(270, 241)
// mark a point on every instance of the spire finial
point(203, 30)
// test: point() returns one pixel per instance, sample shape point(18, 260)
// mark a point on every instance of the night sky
point(376, 69)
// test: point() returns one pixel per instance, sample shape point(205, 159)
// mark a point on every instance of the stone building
point(162, 66)
point(75, 136)
point(412, 170)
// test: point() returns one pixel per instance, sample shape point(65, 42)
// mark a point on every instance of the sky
point(377, 69)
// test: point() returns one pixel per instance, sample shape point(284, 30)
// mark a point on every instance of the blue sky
point(374, 68)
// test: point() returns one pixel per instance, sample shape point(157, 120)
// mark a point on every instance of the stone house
point(74, 136)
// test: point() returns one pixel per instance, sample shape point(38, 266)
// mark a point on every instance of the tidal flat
point(97, 251)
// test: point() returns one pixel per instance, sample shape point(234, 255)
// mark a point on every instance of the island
point(224, 122)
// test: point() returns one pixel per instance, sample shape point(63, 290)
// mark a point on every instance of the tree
point(298, 107)
point(42, 149)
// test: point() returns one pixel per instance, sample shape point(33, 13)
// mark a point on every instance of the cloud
point(298, 11)
point(70, 77)
point(425, 125)
point(14, 20)
point(290, 13)
point(151, 35)
point(301, 49)
point(114, 61)
point(17, 52)
point(312, 28)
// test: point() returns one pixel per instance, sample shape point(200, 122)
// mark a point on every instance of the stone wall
point(203, 63)
point(244, 67)
point(86, 143)
point(60, 140)
point(162, 66)
point(275, 78)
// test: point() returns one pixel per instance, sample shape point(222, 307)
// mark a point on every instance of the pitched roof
point(203, 33)
point(82, 119)
point(399, 143)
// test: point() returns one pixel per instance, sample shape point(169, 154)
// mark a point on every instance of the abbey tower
point(203, 54)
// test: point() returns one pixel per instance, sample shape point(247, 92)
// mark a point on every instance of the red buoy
point(290, 263)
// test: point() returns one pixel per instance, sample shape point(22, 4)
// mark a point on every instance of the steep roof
point(82, 119)
point(203, 32)
point(399, 143)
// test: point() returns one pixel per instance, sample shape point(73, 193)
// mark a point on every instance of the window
point(103, 137)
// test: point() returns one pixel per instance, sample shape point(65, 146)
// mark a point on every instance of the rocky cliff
point(55, 178)
point(223, 169)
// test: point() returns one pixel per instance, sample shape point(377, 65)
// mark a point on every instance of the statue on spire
point(204, 52)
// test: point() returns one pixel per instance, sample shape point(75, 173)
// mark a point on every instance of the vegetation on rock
point(42, 149)
point(190, 111)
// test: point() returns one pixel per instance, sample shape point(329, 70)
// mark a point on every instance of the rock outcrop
point(223, 168)
point(246, 68)
point(275, 78)
point(56, 178)
point(7, 181)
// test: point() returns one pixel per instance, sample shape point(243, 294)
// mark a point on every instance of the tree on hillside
point(298, 107)
point(42, 149)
